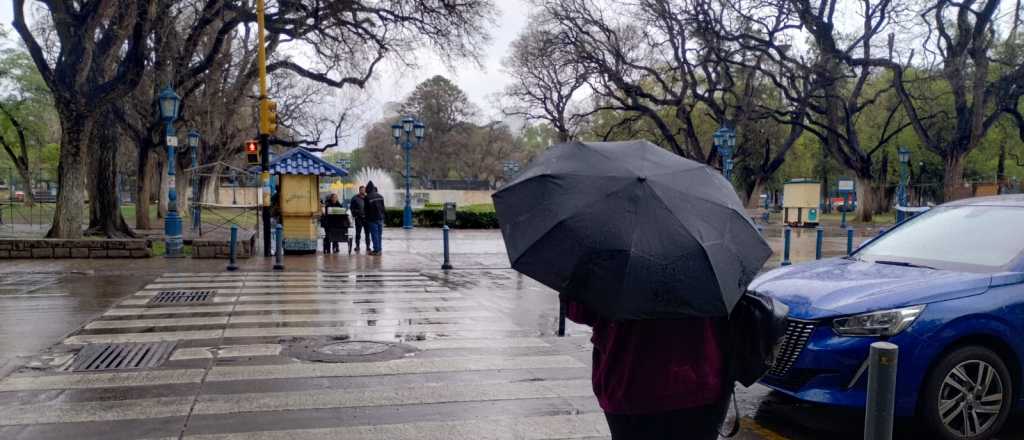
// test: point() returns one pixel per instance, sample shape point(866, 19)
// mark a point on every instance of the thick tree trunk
point(74, 145)
point(754, 195)
point(143, 188)
point(26, 176)
point(105, 218)
point(865, 199)
point(953, 179)
point(161, 178)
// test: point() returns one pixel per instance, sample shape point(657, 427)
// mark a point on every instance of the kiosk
point(299, 174)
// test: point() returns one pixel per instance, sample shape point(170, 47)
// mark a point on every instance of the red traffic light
point(252, 152)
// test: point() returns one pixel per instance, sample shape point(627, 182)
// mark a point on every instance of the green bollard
point(881, 399)
point(849, 241)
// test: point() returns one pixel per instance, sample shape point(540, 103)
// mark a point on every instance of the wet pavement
point(469, 353)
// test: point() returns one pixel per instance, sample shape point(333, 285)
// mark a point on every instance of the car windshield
point(967, 238)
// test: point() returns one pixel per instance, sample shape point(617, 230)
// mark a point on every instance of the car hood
point(834, 287)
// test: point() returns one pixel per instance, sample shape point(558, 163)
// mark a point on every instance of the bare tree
point(983, 83)
point(101, 58)
point(546, 79)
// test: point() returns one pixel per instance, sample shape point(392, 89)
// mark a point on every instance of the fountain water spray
point(384, 183)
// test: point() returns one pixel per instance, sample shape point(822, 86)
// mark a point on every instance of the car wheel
point(968, 395)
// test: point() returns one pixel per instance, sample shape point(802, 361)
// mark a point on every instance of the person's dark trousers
point(700, 423)
point(362, 228)
point(376, 232)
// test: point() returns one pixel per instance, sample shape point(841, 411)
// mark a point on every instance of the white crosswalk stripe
point(463, 350)
point(518, 428)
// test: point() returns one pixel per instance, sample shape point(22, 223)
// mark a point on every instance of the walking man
point(358, 208)
point(374, 213)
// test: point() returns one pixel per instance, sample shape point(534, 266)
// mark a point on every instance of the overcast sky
point(479, 83)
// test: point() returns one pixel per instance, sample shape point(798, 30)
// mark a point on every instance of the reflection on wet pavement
point(483, 356)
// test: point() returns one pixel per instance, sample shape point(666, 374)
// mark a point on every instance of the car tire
point(956, 407)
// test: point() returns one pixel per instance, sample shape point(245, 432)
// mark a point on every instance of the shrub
point(434, 218)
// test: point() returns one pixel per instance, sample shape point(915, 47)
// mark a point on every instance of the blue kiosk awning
point(299, 162)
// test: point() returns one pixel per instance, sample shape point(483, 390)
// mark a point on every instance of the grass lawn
point(159, 249)
point(482, 207)
point(42, 213)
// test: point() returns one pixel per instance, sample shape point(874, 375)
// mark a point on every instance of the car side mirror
point(1006, 279)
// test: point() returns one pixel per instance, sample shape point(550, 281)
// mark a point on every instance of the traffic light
point(268, 116)
point(252, 152)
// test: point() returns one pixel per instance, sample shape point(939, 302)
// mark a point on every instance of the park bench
point(44, 197)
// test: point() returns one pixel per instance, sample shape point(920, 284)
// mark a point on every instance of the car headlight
point(884, 323)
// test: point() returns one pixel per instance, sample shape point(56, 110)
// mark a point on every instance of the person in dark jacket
point(358, 208)
point(374, 214)
point(335, 225)
point(658, 379)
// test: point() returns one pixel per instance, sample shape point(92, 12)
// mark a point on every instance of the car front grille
point(797, 334)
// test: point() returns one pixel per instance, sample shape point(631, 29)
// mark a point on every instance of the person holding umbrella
point(651, 250)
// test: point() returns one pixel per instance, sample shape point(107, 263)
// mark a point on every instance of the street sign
point(846, 186)
point(172, 141)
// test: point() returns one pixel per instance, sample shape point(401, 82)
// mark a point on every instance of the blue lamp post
point(412, 129)
point(725, 142)
point(193, 146)
point(169, 103)
point(901, 193)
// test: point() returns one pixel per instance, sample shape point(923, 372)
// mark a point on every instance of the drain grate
point(182, 297)
point(99, 357)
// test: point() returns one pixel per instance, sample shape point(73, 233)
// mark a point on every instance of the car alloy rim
point(970, 398)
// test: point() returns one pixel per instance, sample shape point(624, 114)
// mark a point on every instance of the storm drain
point(182, 297)
point(99, 357)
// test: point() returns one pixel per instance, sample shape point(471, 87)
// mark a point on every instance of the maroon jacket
point(653, 366)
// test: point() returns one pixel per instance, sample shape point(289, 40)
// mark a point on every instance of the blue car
point(947, 287)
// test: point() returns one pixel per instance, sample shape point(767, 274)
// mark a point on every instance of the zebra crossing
point(467, 371)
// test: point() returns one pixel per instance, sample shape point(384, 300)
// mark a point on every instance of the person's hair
point(362, 186)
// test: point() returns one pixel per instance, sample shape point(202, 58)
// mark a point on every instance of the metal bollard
point(561, 318)
point(849, 241)
point(787, 236)
point(232, 248)
point(818, 241)
point(878, 420)
point(447, 265)
point(279, 248)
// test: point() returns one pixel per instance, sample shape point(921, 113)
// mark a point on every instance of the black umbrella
point(631, 230)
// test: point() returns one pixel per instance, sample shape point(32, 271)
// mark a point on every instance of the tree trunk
point(105, 218)
point(74, 144)
point(865, 199)
point(182, 185)
point(26, 176)
point(953, 179)
point(143, 188)
point(161, 178)
point(754, 195)
point(1001, 168)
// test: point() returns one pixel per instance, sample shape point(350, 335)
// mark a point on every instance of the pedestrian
point(358, 208)
point(374, 213)
point(658, 379)
point(335, 226)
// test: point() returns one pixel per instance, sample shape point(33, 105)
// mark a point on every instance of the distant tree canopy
point(457, 145)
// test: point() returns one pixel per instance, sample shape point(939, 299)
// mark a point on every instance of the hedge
point(434, 218)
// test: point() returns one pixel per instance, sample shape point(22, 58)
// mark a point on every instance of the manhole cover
point(344, 351)
point(354, 348)
point(181, 296)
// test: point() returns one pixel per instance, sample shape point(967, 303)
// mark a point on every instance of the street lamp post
point(193, 145)
point(412, 129)
point(725, 142)
point(169, 103)
point(901, 193)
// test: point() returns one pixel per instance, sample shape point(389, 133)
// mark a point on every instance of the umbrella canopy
point(630, 230)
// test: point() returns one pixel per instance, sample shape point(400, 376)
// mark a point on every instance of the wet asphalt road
point(43, 304)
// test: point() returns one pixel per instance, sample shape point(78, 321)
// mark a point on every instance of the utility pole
point(264, 129)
